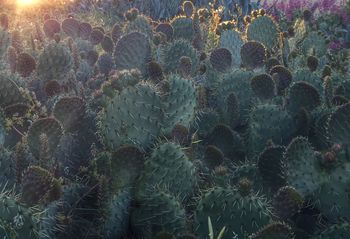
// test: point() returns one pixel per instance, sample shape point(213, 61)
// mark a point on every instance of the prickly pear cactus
point(237, 82)
point(105, 63)
point(16, 220)
point(339, 125)
point(84, 72)
point(125, 166)
point(54, 62)
point(166, 29)
point(183, 28)
point(140, 24)
point(207, 120)
point(172, 53)
point(158, 211)
point(96, 36)
point(69, 111)
point(72, 214)
point(275, 230)
point(117, 221)
point(263, 29)
point(51, 27)
point(71, 27)
point(302, 95)
point(221, 59)
point(263, 87)
point(301, 165)
point(270, 165)
point(26, 64)
point(179, 103)
point(253, 54)
point(5, 42)
point(49, 127)
point(10, 91)
point(42, 182)
point(133, 116)
point(2, 131)
point(228, 141)
point(330, 197)
point(164, 158)
point(314, 42)
point(268, 122)
point(287, 202)
point(282, 77)
point(250, 212)
point(232, 41)
point(310, 77)
point(123, 79)
point(7, 168)
point(132, 51)
point(339, 230)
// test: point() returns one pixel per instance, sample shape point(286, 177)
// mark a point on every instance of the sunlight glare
point(26, 3)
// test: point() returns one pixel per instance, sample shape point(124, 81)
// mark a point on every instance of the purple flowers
point(289, 7)
point(335, 46)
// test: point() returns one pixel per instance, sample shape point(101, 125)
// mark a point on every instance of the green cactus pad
point(331, 197)
point(10, 92)
point(71, 27)
point(282, 77)
point(263, 86)
point(157, 212)
point(179, 102)
point(183, 28)
point(7, 168)
point(5, 42)
point(133, 116)
point(54, 62)
point(51, 27)
point(117, 222)
point(39, 186)
point(253, 54)
point(270, 165)
point(275, 230)
point(237, 82)
point(338, 231)
point(314, 43)
point(339, 125)
point(268, 122)
point(228, 141)
point(206, 122)
point(213, 157)
point(166, 29)
point(159, 171)
point(140, 24)
point(16, 221)
point(301, 165)
point(132, 51)
point(232, 41)
point(263, 29)
point(221, 59)
point(287, 202)
point(174, 51)
point(69, 111)
point(48, 126)
point(26, 64)
point(302, 95)
point(228, 208)
point(126, 165)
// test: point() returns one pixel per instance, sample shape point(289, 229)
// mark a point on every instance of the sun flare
point(26, 3)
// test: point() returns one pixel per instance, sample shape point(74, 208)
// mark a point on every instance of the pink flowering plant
point(293, 8)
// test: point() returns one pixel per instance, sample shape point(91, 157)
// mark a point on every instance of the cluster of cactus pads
point(145, 129)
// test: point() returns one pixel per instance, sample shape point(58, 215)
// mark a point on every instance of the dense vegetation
point(175, 119)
